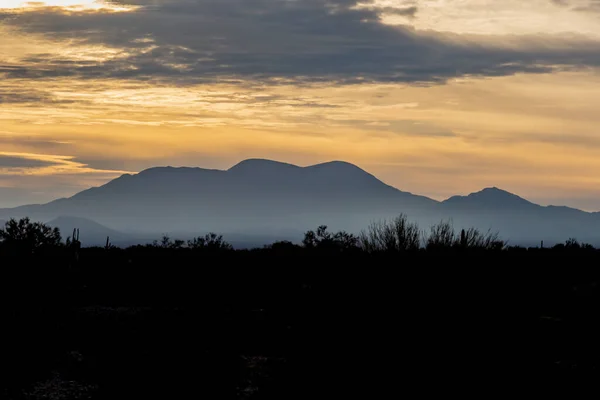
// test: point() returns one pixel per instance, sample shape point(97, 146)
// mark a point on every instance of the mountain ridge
point(265, 196)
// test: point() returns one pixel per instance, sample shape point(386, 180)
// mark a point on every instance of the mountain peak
point(164, 169)
point(337, 165)
point(342, 171)
point(494, 192)
point(492, 196)
point(260, 164)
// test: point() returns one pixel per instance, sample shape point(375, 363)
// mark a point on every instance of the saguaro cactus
point(75, 244)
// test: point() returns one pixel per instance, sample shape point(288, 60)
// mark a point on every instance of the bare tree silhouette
point(396, 235)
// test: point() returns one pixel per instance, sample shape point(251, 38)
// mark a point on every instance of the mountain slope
point(91, 233)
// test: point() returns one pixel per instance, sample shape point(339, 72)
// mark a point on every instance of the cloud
point(308, 41)
point(33, 164)
point(579, 5)
point(402, 127)
point(14, 97)
point(591, 6)
point(408, 11)
point(30, 142)
point(10, 94)
point(21, 162)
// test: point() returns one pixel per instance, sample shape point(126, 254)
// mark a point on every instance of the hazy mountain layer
point(266, 198)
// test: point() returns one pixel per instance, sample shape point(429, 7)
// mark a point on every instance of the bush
point(391, 236)
point(211, 241)
point(325, 240)
point(443, 236)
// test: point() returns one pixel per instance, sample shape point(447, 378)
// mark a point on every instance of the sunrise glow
point(67, 5)
point(434, 97)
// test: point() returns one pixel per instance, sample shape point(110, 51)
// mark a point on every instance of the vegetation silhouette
point(24, 236)
point(397, 235)
point(336, 315)
point(210, 241)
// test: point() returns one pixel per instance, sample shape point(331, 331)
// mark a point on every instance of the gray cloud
point(138, 164)
point(32, 142)
point(409, 12)
point(590, 6)
point(19, 162)
point(593, 6)
point(15, 95)
point(195, 41)
point(9, 97)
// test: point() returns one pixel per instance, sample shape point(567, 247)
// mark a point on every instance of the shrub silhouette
point(167, 243)
point(443, 236)
point(322, 239)
point(24, 235)
point(472, 238)
point(573, 244)
point(283, 246)
point(391, 236)
point(210, 241)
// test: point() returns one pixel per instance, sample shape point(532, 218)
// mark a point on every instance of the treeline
point(398, 235)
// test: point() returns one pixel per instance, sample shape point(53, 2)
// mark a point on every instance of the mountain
point(519, 220)
point(492, 198)
point(91, 233)
point(265, 198)
point(252, 196)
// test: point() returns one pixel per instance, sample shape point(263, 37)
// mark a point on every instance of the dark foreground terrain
point(294, 323)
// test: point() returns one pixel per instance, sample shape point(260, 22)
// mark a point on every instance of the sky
point(435, 97)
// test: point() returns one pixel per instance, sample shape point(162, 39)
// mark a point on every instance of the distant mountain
point(254, 195)
point(91, 233)
point(265, 198)
point(490, 198)
point(520, 220)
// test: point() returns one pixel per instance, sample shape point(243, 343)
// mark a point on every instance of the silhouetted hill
point(489, 198)
point(265, 197)
point(519, 220)
point(91, 233)
point(255, 195)
point(254, 166)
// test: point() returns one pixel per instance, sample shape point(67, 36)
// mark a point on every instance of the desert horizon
point(289, 199)
point(263, 200)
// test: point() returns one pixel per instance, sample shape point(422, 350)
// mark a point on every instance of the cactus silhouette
point(74, 244)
